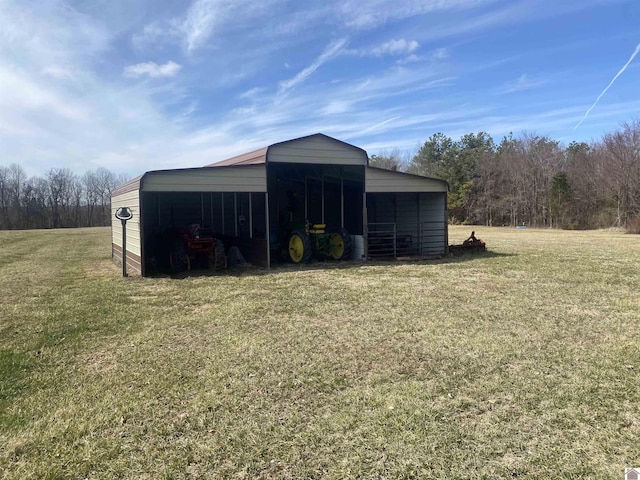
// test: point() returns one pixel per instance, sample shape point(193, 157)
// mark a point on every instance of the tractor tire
point(178, 260)
point(299, 247)
point(340, 244)
point(219, 258)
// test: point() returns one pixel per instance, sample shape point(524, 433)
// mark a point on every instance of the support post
point(124, 248)
point(268, 228)
point(365, 225)
point(341, 200)
point(235, 211)
point(222, 211)
point(305, 200)
point(123, 214)
point(322, 196)
point(250, 217)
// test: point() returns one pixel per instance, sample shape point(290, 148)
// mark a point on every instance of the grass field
point(520, 363)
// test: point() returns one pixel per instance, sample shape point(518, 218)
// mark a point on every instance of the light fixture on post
point(123, 214)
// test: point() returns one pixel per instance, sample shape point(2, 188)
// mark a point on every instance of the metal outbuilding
point(248, 199)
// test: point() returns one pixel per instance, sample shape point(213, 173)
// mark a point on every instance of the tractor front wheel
point(178, 260)
point(299, 247)
point(340, 245)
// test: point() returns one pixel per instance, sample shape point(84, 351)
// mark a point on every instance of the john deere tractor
point(318, 241)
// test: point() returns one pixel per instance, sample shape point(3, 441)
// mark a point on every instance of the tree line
point(526, 180)
point(59, 199)
point(533, 180)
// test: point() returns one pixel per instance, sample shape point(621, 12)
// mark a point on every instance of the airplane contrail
point(633, 55)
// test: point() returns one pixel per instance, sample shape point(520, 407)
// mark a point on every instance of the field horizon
point(523, 362)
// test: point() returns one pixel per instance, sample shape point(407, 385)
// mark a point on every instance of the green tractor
point(316, 240)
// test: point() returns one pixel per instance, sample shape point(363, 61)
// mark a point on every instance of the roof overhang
point(380, 180)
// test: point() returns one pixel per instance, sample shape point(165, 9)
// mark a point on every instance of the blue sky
point(140, 85)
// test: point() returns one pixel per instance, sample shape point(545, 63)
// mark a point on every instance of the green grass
point(520, 363)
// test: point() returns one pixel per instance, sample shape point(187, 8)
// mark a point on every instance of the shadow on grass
point(466, 257)
point(284, 268)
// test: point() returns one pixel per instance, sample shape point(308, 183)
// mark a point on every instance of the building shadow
point(320, 265)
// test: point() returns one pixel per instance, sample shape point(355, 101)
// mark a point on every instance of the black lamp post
point(123, 214)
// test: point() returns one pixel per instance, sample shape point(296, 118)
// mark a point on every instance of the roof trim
point(130, 186)
point(255, 157)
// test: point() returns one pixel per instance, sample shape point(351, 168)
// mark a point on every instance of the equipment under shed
point(256, 201)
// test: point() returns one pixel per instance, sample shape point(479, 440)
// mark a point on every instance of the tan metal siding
point(131, 200)
point(222, 179)
point(134, 262)
point(317, 149)
point(381, 181)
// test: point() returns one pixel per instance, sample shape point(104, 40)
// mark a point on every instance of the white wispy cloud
point(392, 48)
point(436, 55)
point(154, 35)
point(152, 69)
point(337, 106)
point(395, 47)
point(413, 58)
point(202, 25)
point(201, 20)
point(58, 72)
point(30, 97)
point(523, 82)
point(57, 64)
point(330, 52)
point(252, 92)
point(439, 54)
point(620, 72)
point(366, 15)
point(378, 125)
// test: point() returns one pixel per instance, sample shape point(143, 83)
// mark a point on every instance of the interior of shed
point(406, 224)
point(298, 193)
point(237, 218)
point(315, 194)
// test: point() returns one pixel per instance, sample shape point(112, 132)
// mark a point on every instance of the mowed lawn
point(520, 363)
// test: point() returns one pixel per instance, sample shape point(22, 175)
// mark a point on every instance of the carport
point(251, 200)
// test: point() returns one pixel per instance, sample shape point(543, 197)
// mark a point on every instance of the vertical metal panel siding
point(407, 215)
point(131, 200)
point(432, 207)
point(433, 223)
point(217, 215)
point(385, 211)
point(419, 220)
point(317, 150)
point(221, 179)
point(229, 214)
point(379, 181)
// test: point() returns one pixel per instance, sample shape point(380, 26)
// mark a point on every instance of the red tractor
point(183, 249)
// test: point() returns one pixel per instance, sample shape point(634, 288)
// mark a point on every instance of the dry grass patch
point(521, 363)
